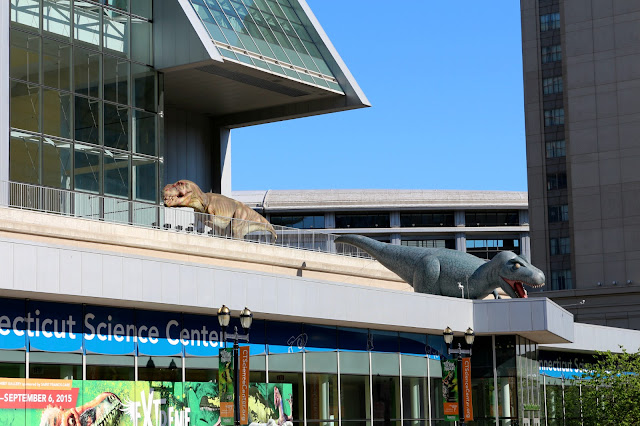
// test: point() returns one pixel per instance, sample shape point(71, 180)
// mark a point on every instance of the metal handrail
point(184, 220)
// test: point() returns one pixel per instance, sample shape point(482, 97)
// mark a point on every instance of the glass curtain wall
point(84, 97)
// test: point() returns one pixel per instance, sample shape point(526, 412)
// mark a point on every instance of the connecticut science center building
point(108, 300)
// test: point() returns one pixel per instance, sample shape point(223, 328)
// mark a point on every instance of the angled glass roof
point(266, 34)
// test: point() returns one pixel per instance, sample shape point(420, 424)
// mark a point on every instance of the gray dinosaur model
point(440, 271)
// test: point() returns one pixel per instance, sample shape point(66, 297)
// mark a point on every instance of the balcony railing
point(168, 219)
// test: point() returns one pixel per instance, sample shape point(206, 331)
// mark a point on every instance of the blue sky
point(445, 82)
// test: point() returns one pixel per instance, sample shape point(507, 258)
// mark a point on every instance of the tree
point(611, 389)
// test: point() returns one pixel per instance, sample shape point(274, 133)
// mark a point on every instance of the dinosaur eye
point(516, 265)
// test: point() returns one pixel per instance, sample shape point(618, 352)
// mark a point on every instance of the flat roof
point(380, 199)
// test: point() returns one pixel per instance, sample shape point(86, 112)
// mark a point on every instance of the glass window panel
point(116, 174)
point(25, 56)
point(354, 363)
point(227, 53)
point(110, 367)
point(48, 365)
point(141, 41)
point(116, 126)
point(56, 163)
point(142, 8)
point(415, 395)
point(119, 4)
point(87, 65)
point(210, 23)
point(116, 32)
point(144, 132)
point(24, 158)
point(12, 364)
point(57, 17)
point(25, 13)
point(116, 80)
point(322, 396)
point(144, 87)
point(354, 397)
point(25, 106)
point(201, 369)
point(385, 364)
point(160, 368)
point(56, 59)
point(321, 362)
point(276, 68)
point(56, 120)
point(353, 339)
point(86, 172)
point(86, 19)
point(386, 397)
point(145, 179)
point(87, 120)
point(285, 337)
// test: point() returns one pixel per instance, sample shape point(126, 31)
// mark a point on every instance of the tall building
point(108, 299)
point(582, 103)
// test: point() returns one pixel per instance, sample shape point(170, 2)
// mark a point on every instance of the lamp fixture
point(469, 336)
point(224, 316)
point(448, 335)
point(246, 318)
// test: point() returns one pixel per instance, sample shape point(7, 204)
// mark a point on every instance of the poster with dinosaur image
point(44, 402)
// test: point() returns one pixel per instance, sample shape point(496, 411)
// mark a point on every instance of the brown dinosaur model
point(221, 209)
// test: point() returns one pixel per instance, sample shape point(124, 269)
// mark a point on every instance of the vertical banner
point(225, 383)
point(243, 383)
point(466, 389)
point(450, 390)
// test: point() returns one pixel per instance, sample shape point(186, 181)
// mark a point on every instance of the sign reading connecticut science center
point(57, 327)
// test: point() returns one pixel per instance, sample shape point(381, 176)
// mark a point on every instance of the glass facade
point(506, 218)
point(300, 222)
point(359, 220)
point(269, 35)
point(353, 375)
point(426, 219)
point(487, 248)
point(84, 97)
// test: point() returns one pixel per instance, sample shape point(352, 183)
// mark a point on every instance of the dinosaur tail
point(369, 245)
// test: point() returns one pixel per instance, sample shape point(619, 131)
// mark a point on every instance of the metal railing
point(168, 219)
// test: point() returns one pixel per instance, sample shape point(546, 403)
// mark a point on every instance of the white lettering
point(118, 331)
point(45, 333)
point(153, 334)
point(141, 330)
point(89, 326)
point(16, 320)
point(169, 325)
point(5, 324)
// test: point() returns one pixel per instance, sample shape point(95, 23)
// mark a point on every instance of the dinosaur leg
point(495, 294)
point(426, 275)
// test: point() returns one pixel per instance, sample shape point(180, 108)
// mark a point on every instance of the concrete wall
point(4, 91)
point(603, 97)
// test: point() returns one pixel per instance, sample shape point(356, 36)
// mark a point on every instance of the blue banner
point(200, 335)
point(159, 333)
point(54, 327)
point(13, 324)
point(110, 331)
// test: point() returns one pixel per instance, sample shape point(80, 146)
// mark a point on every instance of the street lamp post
point(469, 337)
point(246, 318)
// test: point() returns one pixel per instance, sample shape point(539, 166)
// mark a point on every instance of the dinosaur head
point(514, 273)
point(104, 410)
point(183, 193)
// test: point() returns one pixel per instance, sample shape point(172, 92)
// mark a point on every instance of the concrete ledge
point(540, 320)
point(590, 338)
point(89, 234)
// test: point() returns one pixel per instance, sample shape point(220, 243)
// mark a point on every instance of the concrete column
point(330, 220)
point(324, 397)
point(225, 161)
point(395, 239)
point(458, 218)
point(461, 242)
point(525, 246)
point(506, 400)
point(394, 219)
point(4, 94)
point(524, 217)
point(414, 384)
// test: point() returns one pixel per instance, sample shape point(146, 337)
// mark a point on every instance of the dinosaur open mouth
point(105, 411)
point(518, 287)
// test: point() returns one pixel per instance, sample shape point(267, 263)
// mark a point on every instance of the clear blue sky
point(445, 82)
